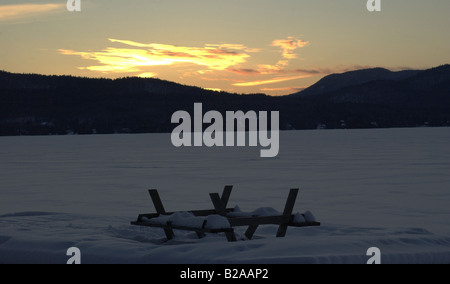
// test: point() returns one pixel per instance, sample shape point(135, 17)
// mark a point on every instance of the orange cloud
point(264, 69)
point(289, 45)
point(234, 47)
point(277, 69)
point(126, 56)
point(291, 89)
point(213, 89)
point(245, 71)
point(130, 59)
point(148, 75)
point(11, 12)
point(271, 81)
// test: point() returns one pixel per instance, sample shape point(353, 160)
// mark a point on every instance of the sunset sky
point(244, 46)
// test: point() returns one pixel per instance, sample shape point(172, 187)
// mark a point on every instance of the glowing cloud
point(148, 75)
point(139, 59)
point(289, 45)
point(213, 89)
point(234, 47)
point(11, 12)
point(271, 81)
point(215, 57)
point(290, 89)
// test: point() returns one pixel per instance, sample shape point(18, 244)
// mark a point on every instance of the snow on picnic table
point(187, 219)
point(369, 188)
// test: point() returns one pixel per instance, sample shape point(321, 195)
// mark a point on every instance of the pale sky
point(244, 46)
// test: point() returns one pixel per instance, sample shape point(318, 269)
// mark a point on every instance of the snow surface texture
point(369, 188)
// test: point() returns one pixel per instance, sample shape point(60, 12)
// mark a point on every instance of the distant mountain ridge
point(383, 87)
point(126, 84)
point(337, 81)
point(40, 105)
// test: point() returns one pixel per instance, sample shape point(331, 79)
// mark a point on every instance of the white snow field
point(386, 188)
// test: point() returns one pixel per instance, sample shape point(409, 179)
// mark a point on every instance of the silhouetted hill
point(389, 99)
point(124, 85)
point(338, 81)
point(413, 89)
point(41, 105)
point(35, 104)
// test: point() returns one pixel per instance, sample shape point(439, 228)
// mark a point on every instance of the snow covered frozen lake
point(387, 188)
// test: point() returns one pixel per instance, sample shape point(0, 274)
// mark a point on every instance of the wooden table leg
point(251, 231)
point(290, 203)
